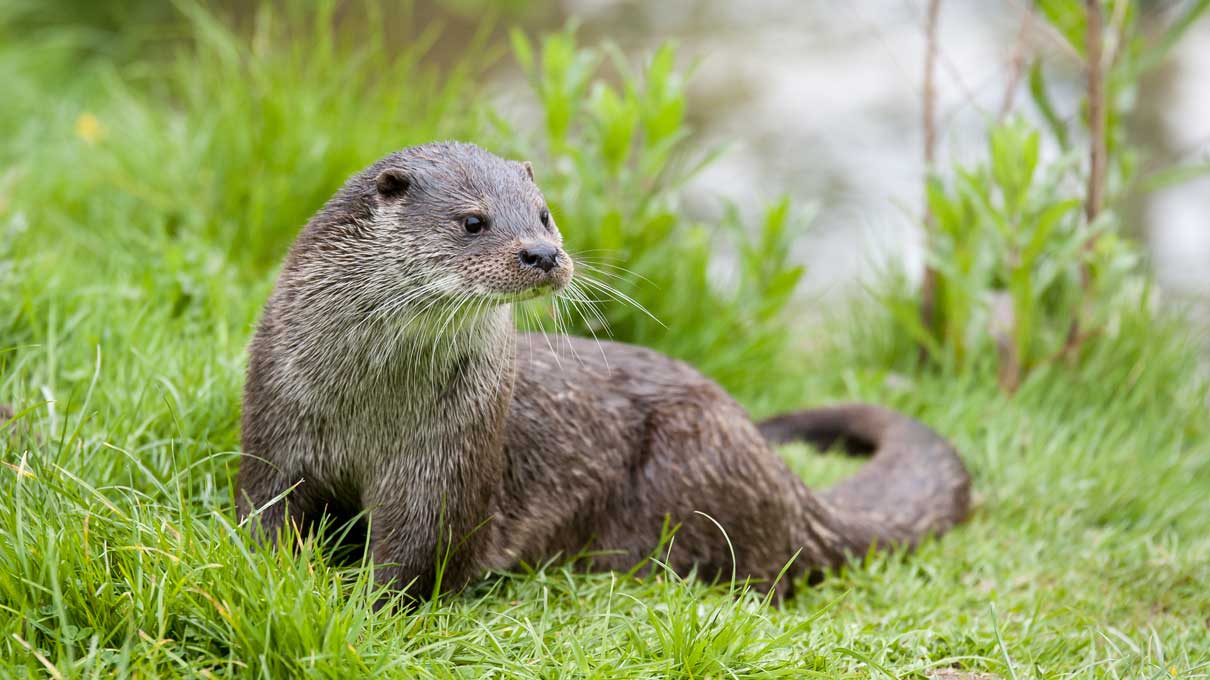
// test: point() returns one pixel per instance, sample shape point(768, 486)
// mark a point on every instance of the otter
point(386, 378)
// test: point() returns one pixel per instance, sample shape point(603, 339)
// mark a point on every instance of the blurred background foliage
point(214, 131)
point(219, 177)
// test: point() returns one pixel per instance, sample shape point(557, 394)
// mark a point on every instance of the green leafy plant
point(612, 158)
point(1132, 49)
point(1009, 246)
point(1027, 246)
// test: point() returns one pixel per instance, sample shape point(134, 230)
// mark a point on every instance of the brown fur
point(386, 376)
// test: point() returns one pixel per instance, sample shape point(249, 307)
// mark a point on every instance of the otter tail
point(914, 485)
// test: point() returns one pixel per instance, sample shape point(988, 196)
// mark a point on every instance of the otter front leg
point(269, 496)
point(425, 537)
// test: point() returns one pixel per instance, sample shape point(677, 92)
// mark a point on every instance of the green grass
point(132, 268)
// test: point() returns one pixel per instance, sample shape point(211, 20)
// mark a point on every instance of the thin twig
point(1117, 26)
point(1051, 34)
point(1096, 114)
point(1095, 198)
point(930, 86)
point(928, 291)
point(1016, 62)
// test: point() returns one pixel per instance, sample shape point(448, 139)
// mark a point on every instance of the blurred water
point(821, 100)
point(1179, 218)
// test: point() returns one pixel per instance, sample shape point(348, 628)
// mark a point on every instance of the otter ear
point(392, 183)
point(529, 169)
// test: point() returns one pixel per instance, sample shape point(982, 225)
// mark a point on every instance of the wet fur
point(386, 376)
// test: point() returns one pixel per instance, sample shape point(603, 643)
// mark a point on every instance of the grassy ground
point(143, 207)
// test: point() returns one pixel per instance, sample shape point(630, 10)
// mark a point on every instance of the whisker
point(439, 337)
point(577, 254)
point(577, 295)
point(613, 270)
point(601, 348)
point(546, 337)
point(619, 296)
point(561, 328)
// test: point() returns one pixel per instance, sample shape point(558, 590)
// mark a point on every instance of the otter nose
point(542, 256)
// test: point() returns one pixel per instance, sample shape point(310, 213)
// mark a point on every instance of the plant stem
point(1096, 114)
point(1016, 63)
point(1093, 201)
point(928, 291)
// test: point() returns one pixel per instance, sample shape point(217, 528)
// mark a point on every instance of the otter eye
point(545, 217)
point(474, 224)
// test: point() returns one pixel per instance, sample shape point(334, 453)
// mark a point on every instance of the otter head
point(456, 223)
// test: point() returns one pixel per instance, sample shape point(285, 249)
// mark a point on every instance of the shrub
point(612, 158)
point(1022, 273)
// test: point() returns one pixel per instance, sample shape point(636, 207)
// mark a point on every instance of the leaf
point(616, 117)
point(1175, 31)
point(663, 99)
point(522, 50)
point(1024, 295)
point(1068, 17)
point(1041, 99)
point(1013, 147)
point(908, 317)
point(948, 217)
point(1044, 225)
point(773, 229)
point(1176, 174)
point(778, 291)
